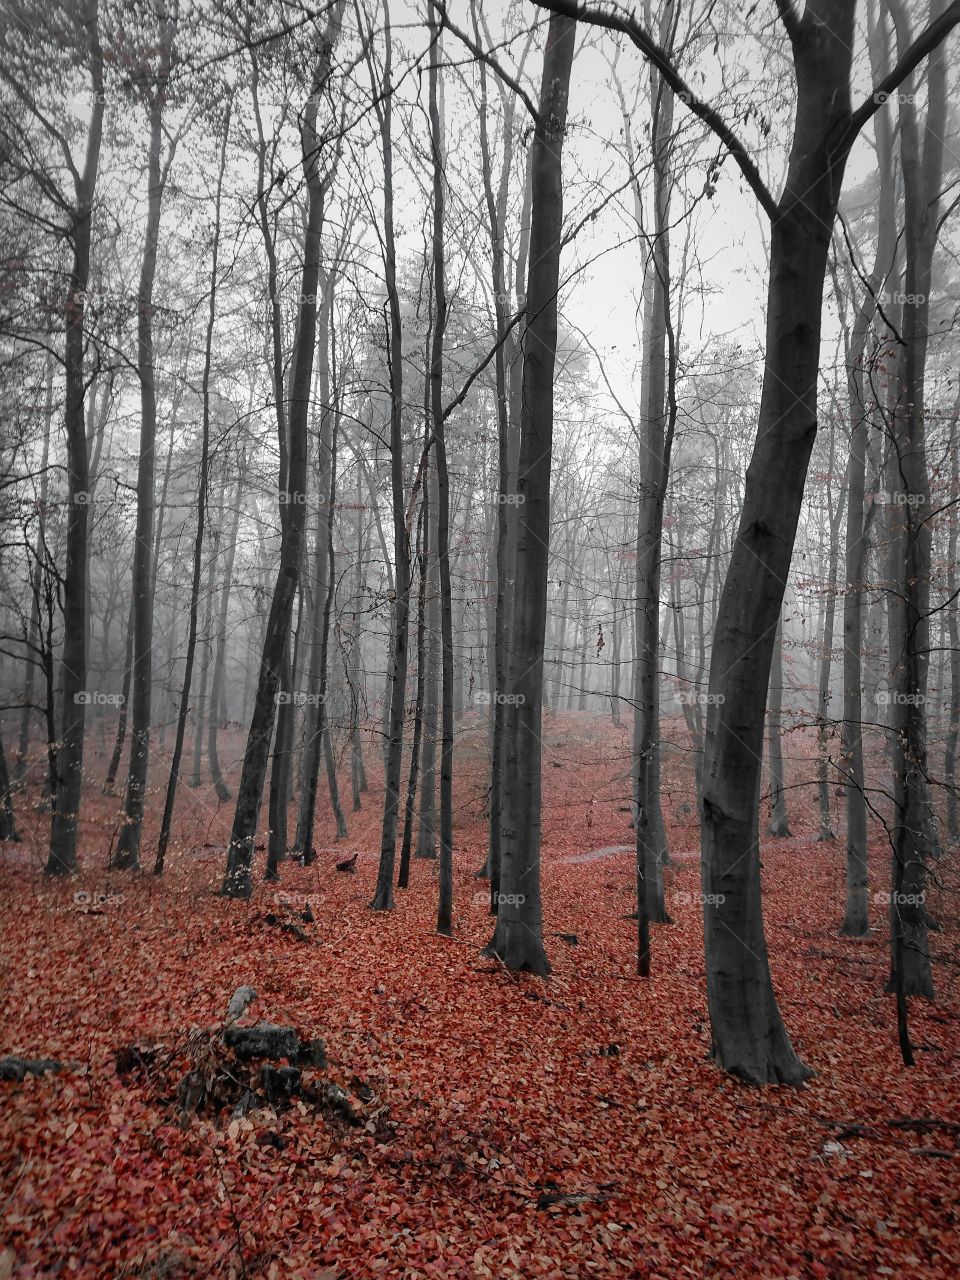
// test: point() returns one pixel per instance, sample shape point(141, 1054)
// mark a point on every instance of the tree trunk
point(779, 824)
point(826, 655)
point(202, 492)
point(406, 845)
point(656, 444)
point(393, 756)
point(427, 813)
point(127, 853)
point(8, 823)
point(749, 1038)
point(220, 656)
point(953, 642)
point(278, 803)
point(518, 938)
point(324, 585)
point(915, 839)
point(69, 762)
point(33, 634)
point(237, 880)
point(445, 902)
point(506, 469)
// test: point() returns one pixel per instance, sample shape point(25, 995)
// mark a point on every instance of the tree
point(749, 1037)
point(915, 839)
point(127, 853)
point(237, 879)
point(445, 904)
point(518, 937)
point(74, 32)
point(202, 494)
point(397, 684)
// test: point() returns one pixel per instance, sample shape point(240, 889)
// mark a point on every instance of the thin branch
point(488, 58)
point(653, 52)
point(925, 43)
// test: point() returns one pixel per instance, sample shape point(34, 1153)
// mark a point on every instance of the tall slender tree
point(518, 937)
point(237, 879)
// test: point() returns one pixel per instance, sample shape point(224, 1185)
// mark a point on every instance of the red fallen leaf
point(492, 1093)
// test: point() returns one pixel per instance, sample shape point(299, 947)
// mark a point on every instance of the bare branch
point(654, 53)
point(925, 43)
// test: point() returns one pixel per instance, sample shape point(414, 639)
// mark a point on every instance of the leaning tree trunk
point(316, 715)
point(220, 656)
point(202, 490)
point(518, 938)
point(33, 634)
point(445, 901)
point(393, 755)
point(127, 853)
point(237, 879)
point(69, 760)
point(749, 1038)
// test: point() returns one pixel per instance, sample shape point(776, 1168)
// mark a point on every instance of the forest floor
point(503, 1126)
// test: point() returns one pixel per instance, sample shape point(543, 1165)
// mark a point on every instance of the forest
point(479, 639)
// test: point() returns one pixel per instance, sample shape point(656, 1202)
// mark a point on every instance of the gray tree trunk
point(518, 938)
point(237, 880)
point(127, 853)
point(64, 824)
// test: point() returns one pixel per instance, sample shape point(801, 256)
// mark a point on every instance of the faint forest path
point(613, 850)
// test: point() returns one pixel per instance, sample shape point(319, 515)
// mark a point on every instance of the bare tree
point(518, 937)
